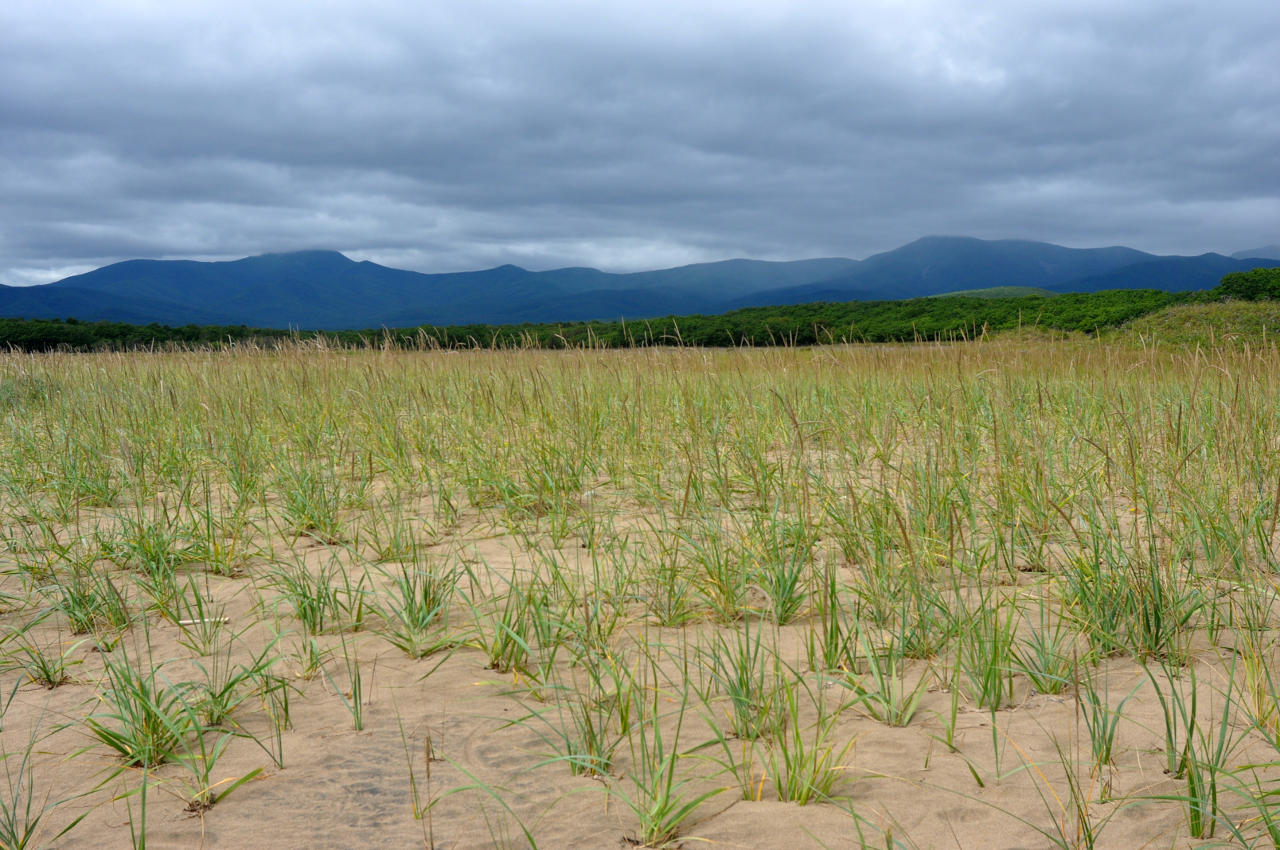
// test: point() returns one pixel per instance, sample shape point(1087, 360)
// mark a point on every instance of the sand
point(490, 780)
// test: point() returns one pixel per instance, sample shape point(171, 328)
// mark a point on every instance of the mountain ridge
point(1266, 252)
point(325, 289)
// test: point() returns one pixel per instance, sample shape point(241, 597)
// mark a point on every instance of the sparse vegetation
point(1035, 580)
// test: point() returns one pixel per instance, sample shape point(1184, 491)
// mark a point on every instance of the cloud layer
point(455, 135)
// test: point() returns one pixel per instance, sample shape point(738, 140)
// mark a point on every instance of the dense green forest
point(944, 317)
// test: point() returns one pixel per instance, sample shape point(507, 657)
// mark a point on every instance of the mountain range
point(327, 290)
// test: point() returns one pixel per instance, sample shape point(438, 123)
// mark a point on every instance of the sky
point(445, 135)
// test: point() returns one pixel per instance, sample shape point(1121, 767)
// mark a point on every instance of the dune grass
point(686, 571)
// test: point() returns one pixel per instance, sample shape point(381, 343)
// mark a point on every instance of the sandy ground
point(489, 777)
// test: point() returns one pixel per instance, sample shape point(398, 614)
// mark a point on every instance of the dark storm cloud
point(460, 135)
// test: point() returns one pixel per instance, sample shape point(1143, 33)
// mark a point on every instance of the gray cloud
point(458, 135)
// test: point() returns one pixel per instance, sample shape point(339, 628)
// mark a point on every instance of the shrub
point(1252, 285)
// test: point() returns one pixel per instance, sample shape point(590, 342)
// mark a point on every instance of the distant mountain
point(939, 265)
point(936, 265)
point(1266, 252)
point(1172, 274)
point(327, 290)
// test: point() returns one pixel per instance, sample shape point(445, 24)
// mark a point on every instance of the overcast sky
point(454, 134)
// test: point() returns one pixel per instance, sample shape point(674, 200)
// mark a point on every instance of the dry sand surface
point(341, 788)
